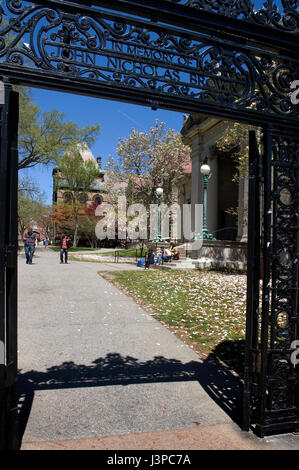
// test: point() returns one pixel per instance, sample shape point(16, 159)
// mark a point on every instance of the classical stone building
point(201, 133)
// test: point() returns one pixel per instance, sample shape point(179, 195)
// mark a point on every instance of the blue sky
point(116, 119)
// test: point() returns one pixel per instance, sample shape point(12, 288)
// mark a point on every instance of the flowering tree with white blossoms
point(147, 160)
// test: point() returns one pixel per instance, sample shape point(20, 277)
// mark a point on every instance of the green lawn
point(205, 308)
point(74, 249)
point(130, 253)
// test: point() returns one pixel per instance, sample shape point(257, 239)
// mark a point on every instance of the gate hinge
point(10, 256)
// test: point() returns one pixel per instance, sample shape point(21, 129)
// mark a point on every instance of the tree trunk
point(75, 241)
point(76, 220)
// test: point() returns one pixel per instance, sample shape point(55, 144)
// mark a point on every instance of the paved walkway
point(98, 372)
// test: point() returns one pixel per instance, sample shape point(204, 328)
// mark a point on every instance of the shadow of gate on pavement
point(218, 381)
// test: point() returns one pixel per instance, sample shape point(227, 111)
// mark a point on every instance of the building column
point(243, 209)
point(200, 132)
point(196, 181)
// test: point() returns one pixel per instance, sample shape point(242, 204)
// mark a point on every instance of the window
point(98, 199)
point(67, 197)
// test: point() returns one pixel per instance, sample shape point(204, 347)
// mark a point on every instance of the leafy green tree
point(234, 144)
point(45, 221)
point(28, 187)
point(78, 176)
point(31, 207)
point(87, 224)
point(45, 136)
point(63, 217)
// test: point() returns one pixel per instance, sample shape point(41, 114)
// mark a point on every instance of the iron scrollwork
point(285, 153)
point(101, 47)
point(56, 43)
point(283, 320)
point(276, 386)
point(282, 16)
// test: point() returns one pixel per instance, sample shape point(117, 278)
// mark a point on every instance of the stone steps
point(180, 264)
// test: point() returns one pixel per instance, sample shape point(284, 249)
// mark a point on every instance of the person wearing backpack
point(30, 243)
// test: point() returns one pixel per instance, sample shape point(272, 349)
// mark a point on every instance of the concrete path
point(94, 364)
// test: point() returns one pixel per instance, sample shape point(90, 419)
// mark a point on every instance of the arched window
point(67, 197)
point(98, 199)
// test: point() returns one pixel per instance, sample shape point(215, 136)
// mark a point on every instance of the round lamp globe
point(205, 169)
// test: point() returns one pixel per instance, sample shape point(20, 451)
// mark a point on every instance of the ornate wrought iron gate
point(8, 268)
point(271, 379)
point(223, 58)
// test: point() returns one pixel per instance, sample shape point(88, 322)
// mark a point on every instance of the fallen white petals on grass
point(206, 307)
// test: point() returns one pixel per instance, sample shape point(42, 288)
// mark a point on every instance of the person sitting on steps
point(174, 252)
point(159, 256)
point(167, 255)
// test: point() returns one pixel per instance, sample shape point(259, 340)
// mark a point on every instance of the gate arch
point(223, 58)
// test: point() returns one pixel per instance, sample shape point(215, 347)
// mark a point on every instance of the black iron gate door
point(8, 267)
point(271, 361)
point(253, 275)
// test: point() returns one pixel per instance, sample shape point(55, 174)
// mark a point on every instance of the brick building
point(104, 188)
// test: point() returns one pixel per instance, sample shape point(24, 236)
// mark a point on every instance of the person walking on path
point(64, 245)
point(46, 243)
point(30, 243)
